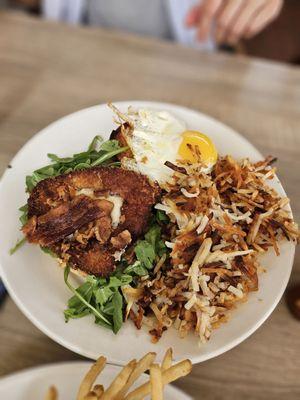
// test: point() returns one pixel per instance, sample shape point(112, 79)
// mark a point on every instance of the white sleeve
point(178, 10)
point(69, 11)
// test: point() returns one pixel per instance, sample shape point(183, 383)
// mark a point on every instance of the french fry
point(156, 382)
point(119, 382)
point(91, 396)
point(142, 366)
point(171, 374)
point(160, 375)
point(167, 361)
point(51, 393)
point(99, 390)
point(90, 378)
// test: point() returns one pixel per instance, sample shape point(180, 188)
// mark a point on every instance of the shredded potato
point(219, 223)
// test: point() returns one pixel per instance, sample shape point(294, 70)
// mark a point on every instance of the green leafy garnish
point(102, 296)
point(95, 142)
point(117, 304)
point(161, 216)
point(110, 145)
point(136, 268)
point(145, 253)
point(153, 236)
point(106, 156)
point(147, 250)
point(24, 216)
point(23, 219)
point(48, 251)
point(98, 153)
point(82, 297)
point(17, 245)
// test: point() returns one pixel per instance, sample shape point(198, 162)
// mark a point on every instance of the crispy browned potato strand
point(220, 222)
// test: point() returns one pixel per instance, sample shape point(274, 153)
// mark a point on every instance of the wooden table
point(48, 70)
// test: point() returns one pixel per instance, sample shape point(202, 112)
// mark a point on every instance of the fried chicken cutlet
point(88, 217)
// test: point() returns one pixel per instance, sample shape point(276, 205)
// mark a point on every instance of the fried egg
point(158, 137)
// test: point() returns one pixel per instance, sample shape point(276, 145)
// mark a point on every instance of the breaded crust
point(63, 220)
point(119, 134)
point(137, 193)
point(53, 201)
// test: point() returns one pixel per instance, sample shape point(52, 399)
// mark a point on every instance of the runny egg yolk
point(195, 143)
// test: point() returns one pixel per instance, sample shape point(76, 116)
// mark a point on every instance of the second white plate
point(32, 384)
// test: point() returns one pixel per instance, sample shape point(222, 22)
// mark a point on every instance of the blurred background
point(48, 70)
point(280, 41)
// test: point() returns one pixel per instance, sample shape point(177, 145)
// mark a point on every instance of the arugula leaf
point(110, 145)
point(77, 309)
point(121, 280)
point(96, 154)
point(145, 253)
point(102, 295)
point(160, 246)
point(108, 155)
point(75, 313)
point(153, 236)
point(94, 143)
point(82, 299)
point(102, 323)
point(109, 308)
point(55, 158)
point(17, 245)
point(30, 184)
point(48, 251)
point(117, 303)
point(83, 165)
point(24, 216)
point(146, 250)
point(161, 216)
point(96, 281)
point(48, 170)
point(136, 269)
point(86, 291)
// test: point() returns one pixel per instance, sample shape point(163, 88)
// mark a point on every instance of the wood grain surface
point(48, 70)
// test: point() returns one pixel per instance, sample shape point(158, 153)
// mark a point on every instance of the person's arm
point(234, 19)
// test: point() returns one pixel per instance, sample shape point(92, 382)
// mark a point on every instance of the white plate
point(66, 377)
point(36, 283)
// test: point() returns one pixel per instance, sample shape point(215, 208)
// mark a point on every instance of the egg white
point(155, 139)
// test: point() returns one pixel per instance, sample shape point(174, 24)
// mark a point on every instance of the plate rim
point(197, 358)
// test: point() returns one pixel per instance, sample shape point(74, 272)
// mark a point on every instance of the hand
point(234, 19)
